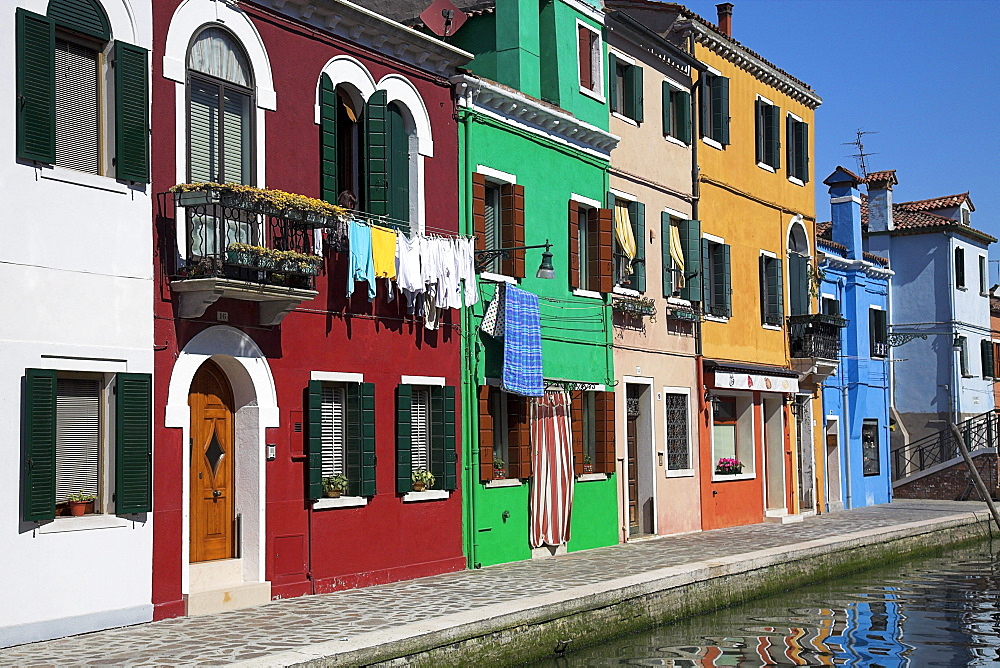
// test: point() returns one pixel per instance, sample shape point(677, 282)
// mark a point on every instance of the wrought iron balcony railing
point(979, 432)
point(815, 335)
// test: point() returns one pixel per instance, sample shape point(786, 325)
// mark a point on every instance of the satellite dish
point(443, 18)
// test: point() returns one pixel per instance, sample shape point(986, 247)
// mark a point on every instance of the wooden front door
point(212, 460)
point(633, 472)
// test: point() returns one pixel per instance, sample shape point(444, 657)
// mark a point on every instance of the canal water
point(942, 610)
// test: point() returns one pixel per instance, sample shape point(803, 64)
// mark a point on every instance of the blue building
point(856, 402)
point(940, 291)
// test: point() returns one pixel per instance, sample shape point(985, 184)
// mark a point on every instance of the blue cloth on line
point(360, 266)
point(522, 344)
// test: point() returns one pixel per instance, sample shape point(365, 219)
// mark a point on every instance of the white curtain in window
point(216, 53)
point(78, 436)
point(623, 232)
point(677, 253)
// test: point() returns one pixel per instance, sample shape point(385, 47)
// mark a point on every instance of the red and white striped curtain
point(552, 469)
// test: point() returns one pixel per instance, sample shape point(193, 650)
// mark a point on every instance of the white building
point(76, 323)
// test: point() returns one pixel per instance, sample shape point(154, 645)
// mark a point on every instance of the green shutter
point(708, 277)
point(329, 182)
point(772, 299)
point(691, 246)
point(986, 349)
point(667, 103)
point(872, 332)
point(404, 438)
point(38, 500)
point(134, 443)
point(720, 110)
point(682, 101)
point(131, 113)
point(36, 87)
point(613, 82)
point(635, 90)
point(444, 441)
point(791, 147)
point(314, 439)
point(352, 442)
point(802, 151)
point(86, 16)
point(798, 284)
point(705, 103)
point(778, 290)
point(637, 216)
point(759, 130)
point(398, 168)
point(726, 282)
point(774, 135)
point(368, 460)
point(666, 262)
point(376, 158)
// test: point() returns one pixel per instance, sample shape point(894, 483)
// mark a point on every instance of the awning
point(759, 378)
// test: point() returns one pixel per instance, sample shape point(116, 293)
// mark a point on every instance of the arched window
point(220, 133)
point(74, 110)
point(798, 270)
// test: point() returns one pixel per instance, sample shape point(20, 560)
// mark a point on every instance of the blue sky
point(922, 74)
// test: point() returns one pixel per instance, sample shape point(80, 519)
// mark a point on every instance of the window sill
point(497, 278)
point(326, 503)
point(711, 142)
point(773, 328)
point(593, 94)
point(798, 182)
point(505, 482)
point(426, 495)
point(626, 119)
point(677, 301)
point(726, 478)
point(766, 167)
point(85, 523)
point(629, 292)
point(590, 294)
point(716, 318)
point(962, 288)
point(680, 473)
point(675, 140)
point(75, 177)
point(592, 477)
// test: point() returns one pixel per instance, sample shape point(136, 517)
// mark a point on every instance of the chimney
point(845, 211)
point(725, 18)
point(880, 200)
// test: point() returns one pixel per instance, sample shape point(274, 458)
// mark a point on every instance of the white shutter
point(203, 132)
point(421, 440)
point(77, 111)
point(78, 436)
point(333, 436)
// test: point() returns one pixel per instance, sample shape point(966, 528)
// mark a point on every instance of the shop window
point(732, 434)
point(871, 463)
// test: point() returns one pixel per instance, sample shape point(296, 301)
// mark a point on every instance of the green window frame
point(767, 117)
point(426, 434)
point(48, 88)
point(717, 282)
point(626, 95)
point(797, 148)
point(676, 106)
point(986, 355)
point(714, 102)
point(340, 437)
point(772, 305)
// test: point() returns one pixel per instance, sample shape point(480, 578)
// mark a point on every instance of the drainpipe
point(956, 372)
point(695, 171)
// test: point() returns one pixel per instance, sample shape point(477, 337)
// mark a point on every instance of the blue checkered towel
point(522, 344)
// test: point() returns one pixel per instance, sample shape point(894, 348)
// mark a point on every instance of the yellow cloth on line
point(677, 253)
point(623, 232)
point(384, 252)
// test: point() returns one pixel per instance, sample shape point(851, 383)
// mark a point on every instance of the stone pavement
point(268, 634)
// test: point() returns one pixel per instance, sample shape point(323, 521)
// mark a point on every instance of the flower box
point(197, 197)
point(304, 211)
point(635, 306)
point(728, 466)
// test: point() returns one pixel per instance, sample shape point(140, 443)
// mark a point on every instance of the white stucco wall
point(76, 270)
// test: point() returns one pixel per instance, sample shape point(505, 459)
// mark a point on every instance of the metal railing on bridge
point(979, 432)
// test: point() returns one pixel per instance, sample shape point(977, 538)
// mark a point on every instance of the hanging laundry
point(493, 319)
point(623, 232)
point(450, 291)
point(384, 252)
point(360, 265)
point(432, 311)
point(465, 261)
point(522, 344)
point(408, 275)
point(551, 500)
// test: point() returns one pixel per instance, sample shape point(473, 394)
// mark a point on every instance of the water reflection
point(943, 610)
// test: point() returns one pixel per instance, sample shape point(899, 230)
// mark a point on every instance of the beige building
point(655, 327)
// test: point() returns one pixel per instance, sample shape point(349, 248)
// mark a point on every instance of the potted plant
point(78, 502)
point(499, 469)
point(422, 479)
point(334, 485)
point(728, 466)
point(588, 463)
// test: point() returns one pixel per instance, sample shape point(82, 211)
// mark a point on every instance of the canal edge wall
point(528, 629)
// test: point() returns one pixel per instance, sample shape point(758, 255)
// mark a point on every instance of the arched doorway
point(212, 465)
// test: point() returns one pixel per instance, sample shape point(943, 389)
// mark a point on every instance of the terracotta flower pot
point(499, 474)
point(419, 486)
point(588, 468)
point(78, 508)
point(334, 493)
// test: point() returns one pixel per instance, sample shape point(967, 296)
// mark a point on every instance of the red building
point(270, 380)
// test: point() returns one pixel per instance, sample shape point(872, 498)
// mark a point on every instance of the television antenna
point(861, 155)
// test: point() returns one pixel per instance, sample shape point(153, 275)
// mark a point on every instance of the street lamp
point(545, 270)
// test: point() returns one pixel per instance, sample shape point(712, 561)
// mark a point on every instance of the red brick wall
point(953, 483)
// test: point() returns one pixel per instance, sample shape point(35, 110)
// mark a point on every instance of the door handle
point(216, 493)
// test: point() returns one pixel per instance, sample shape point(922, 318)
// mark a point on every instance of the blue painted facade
point(854, 283)
point(940, 288)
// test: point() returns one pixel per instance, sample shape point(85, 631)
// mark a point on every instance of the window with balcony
point(83, 96)
point(88, 444)
point(798, 270)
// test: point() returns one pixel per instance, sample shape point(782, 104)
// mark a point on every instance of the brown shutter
point(604, 420)
point(518, 437)
point(574, 244)
point(586, 61)
point(576, 419)
point(600, 270)
point(479, 210)
point(485, 433)
point(512, 226)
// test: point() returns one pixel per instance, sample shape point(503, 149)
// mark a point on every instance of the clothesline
point(370, 219)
